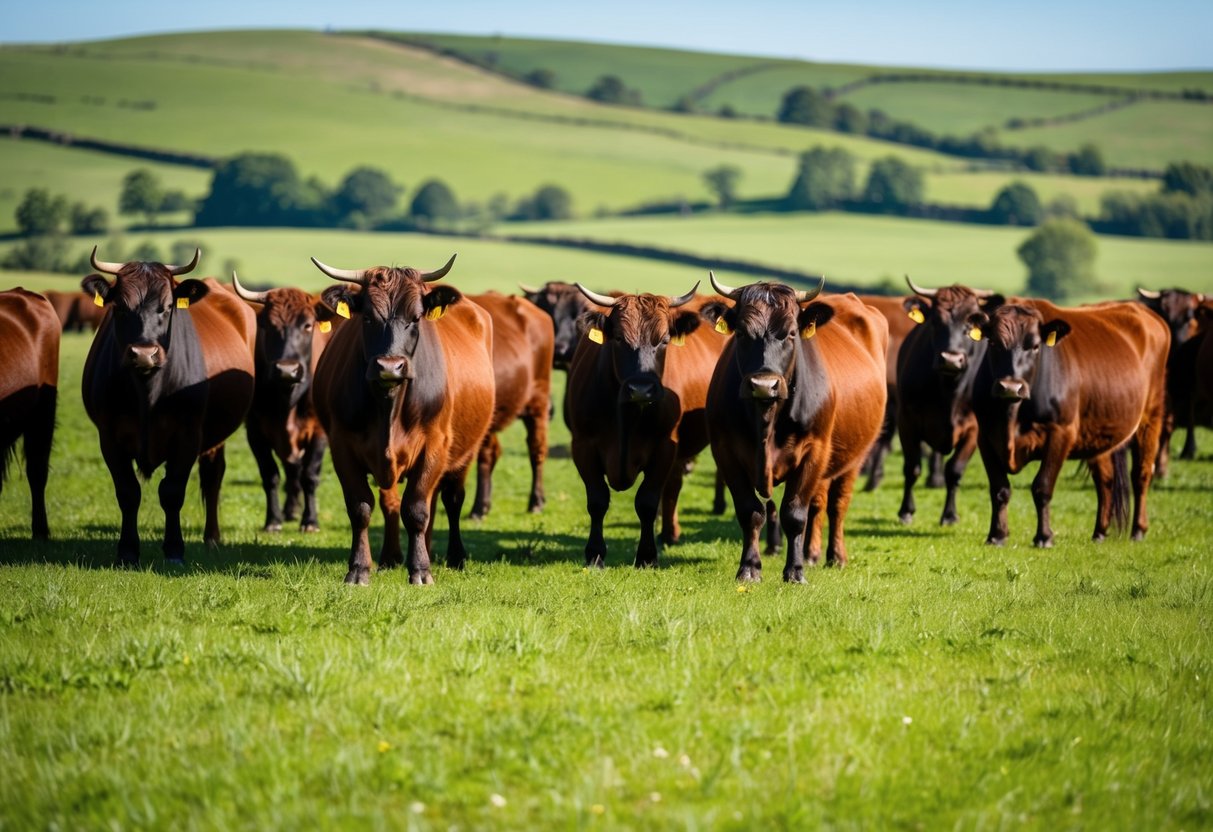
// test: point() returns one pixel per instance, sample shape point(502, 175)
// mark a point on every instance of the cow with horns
point(797, 397)
point(935, 372)
point(167, 380)
point(29, 390)
point(1060, 383)
point(565, 305)
point(405, 393)
point(635, 406)
point(292, 330)
point(1178, 308)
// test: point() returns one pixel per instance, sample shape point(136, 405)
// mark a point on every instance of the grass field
point(933, 683)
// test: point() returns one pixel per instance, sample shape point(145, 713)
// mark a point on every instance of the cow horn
point(601, 300)
point(254, 297)
point(188, 267)
point(681, 299)
point(983, 293)
point(348, 275)
point(722, 288)
point(102, 266)
point(441, 273)
point(529, 290)
point(809, 294)
point(918, 290)
point(1145, 293)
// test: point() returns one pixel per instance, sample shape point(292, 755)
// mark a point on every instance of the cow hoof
point(948, 520)
point(174, 561)
point(794, 576)
point(421, 578)
point(457, 562)
point(272, 528)
point(1138, 535)
point(995, 541)
point(212, 542)
point(749, 575)
point(645, 564)
point(1098, 537)
point(310, 528)
point(1043, 542)
point(359, 576)
point(906, 518)
point(595, 562)
point(535, 505)
point(477, 515)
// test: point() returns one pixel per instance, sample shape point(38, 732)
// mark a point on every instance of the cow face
point(144, 298)
point(952, 318)
point(394, 309)
point(768, 324)
point(566, 306)
point(1177, 307)
point(286, 327)
point(637, 331)
point(1017, 336)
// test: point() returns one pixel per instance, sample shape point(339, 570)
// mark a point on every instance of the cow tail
point(1120, 487)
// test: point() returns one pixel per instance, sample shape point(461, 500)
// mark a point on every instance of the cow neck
point(418, 401)
point(1020, 424)
point(776, 423)
point(183, 366)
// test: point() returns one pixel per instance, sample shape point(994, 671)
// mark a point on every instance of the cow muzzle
point(765, 387)
point(641, 391)
point(952, 363)
point(145, 359)
point(1011, 389)
point(289, 372)
point(389, 371)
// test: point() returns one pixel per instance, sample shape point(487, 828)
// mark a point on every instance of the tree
point(1185, 177)
point(893, 185)
point(141, 194)
point(552, 202)
point(1016, 204)
point(1062, 205)
point(434, 203)
point(805, 105)
point(174, 201)
point(43, 252)
point(850, 119)
point(722, 181)
point(610, 89)
point(367, 192)
point(40, 213)
point(1039, 158)
point(1088, 161)
point(1060, 256)
point(545, 79)
point(85, 220)
point(825, 178)
point(255, 189)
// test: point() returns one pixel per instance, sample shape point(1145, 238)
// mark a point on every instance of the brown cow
point(798, 397)
point(634, 405)
point(1059, 383)
point(935, 372)
point(405, 393)
point(292, 331)
point(1202, 366)
point(29, 385)
point(1178, 308)
point(522, 367)
point(76, 310)
point(167, 380)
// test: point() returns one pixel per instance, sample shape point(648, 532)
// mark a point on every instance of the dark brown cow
point(798, 397)
point(1202, 366)
point(1178, 308)
point(405, 393)
point(522, 367)
point(936, 368)
point(29, 389)
point(167, 380)
point(1059, 383)
point(565, 305)
point(292, 331)
point(634, 404)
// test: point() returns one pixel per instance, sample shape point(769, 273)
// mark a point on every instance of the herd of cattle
point(408, 381)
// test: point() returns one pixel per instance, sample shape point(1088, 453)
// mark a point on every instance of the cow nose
point(289, 371)
point(953, 361)
point(391, 368)
point(1011, 388)
point(143, 357)
point(764, 386)
point(642, 390)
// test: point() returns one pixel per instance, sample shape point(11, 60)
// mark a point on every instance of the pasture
point(933, 682)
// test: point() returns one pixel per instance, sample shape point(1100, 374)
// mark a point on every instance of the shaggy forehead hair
point(955, 300)
point(389, 288)
point(641, 318)
point(766, 307)
point(138, 281)
point(284, 306)
point(1011, 323)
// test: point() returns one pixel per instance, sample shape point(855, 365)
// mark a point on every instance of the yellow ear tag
point(809, 331)
point(343, 309)
point(916, 315)
point(435, 313)
point(975, 333)
point(1051, 338)
point(722, 326)
point(183, 303)
point(595, 335)
point(325, 326)
point(98, 300)
point(679, 340)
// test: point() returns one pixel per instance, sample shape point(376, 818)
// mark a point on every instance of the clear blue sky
point(1021, 35)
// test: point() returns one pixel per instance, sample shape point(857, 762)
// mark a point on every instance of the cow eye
point(307, 327)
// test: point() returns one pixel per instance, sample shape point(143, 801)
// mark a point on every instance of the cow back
point(900, 325)
point(467, 344)
point(523, 340)
point(29, 342)
point(854, 345)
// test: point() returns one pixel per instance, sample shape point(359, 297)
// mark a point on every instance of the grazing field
point(935, 682)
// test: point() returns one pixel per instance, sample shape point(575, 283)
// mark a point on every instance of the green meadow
point(935, 682)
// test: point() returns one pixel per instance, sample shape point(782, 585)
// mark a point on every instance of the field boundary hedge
point(67, 139)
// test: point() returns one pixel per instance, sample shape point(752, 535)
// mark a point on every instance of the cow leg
point(389, 505)
point(535, 420)
point(671, 531)
point(309, 479)
point(793, 516)
point(268, 468)
point(751, 514)
point(813, 524)
point(1145, 446)
point(953, 472)
point(597, 501)
point(211, 468)
point(418, 519)
point(935, 472)
point(874, 464)
point(1042, 492)
point(648, 500)
point(129, 495)
point(453, 494)
point(172, 497)
point(38, 438)
point(1000, 495)
point(486, 461)
point(911, 468)
point(718, 504)
point(1189, 450)
point(1102, 476)
point(359, 504)
point(841, 489)
point(1162, 461)
point(774, 529)
point(292, 473)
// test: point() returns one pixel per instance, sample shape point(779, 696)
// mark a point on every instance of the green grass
point(933, 683)
point(979, 188)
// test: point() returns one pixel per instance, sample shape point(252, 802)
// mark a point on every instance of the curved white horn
point(681, 299)
point(808, 294)
point(103, 266)
point(529, 290)
point(918, 290)
point(255, 297)
point(188, 267)
point(723, 288)
point(1148, 294)
point(440, 273)
point(348, 275)
point(601, 300)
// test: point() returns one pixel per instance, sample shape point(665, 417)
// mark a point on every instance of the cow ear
point(714, 311)
point(917, 308)
point(978, 323)
point(322, 311)
point(684, 323)
point(190, 291)
point(1054, 331)
point(340, 298)
point(991, 302)
point(814, 315)
point(97, 287)
point(594, 324)
point(437, 299)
